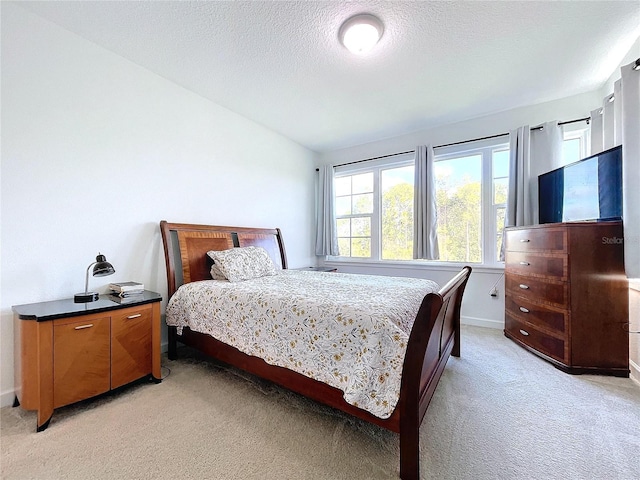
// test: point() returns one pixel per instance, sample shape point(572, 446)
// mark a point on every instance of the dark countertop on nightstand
point(52, 310)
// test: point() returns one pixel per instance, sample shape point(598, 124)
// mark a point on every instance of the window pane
point(458, 197)
point(363, 203)
point(344, 245)
point(571, 150)
point(500, 214)
point(343, 205)
point(363, 183)
point(361, 227)
point(500, 163)
point(342, 186)
point(344, 228)
point(360, 247)
point(500, 189)
point(397, 213)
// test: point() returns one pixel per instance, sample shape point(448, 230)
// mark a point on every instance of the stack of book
point(126, 289)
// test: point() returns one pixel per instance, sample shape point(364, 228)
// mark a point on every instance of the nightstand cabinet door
point(130, 344)
point(81, 359)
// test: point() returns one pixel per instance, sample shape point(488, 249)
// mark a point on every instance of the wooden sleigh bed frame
point(435, 334)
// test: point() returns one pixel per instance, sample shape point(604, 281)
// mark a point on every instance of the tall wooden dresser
point(567, 297)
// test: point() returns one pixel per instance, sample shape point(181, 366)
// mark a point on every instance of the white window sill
point(413, 266)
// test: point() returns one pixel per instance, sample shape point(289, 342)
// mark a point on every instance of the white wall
point(478, 307)
point(96, 151)
point(632, 55)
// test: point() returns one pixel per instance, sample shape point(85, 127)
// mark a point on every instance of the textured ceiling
point(280, 63)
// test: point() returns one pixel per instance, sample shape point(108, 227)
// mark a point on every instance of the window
point(574, 145)
point(374, 210)
point(354, 212)
point(374, 204)
point(471, 197)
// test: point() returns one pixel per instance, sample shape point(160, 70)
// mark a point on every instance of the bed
point(393, 362)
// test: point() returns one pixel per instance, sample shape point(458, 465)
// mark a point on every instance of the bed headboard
point(186, 246)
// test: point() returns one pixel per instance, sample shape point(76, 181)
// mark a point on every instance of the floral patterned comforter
point(348, 331)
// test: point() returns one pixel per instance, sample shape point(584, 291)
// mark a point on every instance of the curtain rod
point(539, 127)
point(585, 119)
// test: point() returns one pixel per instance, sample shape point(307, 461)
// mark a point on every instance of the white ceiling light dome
point(360, 33)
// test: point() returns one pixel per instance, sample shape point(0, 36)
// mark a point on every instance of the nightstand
point(66, 352)
point(318, 269)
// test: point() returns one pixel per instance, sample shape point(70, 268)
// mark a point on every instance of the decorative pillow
point(243, 263)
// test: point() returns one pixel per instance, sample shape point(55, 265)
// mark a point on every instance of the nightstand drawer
point(547, 265)
point(538, 289)
point(539, 315)
point(529, 336)
point(534, 239)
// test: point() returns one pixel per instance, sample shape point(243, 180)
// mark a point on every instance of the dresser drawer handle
point(80, 327)
point(524, 332)
point(524, 287)
point(525, 263)
point(131, 317)
point(524, 240)
point(524, 310)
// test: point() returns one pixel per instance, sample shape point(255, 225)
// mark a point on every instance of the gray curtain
point(425, 225)
point(630, 115)
point(597, 131)
point(519, 209)
point(618, 122)
point(545, 155)
point(326, 233)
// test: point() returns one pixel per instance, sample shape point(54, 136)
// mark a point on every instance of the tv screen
point(590, 189)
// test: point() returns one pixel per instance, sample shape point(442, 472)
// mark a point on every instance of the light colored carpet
point(498, 413)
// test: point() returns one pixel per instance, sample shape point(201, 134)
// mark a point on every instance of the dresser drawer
point(538, 289)
point(542, 342)
point(537, 240)
point(541, 316)
point(548, 265)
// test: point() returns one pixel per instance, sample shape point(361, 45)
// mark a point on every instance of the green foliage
point(459, 226)
point(397, 222)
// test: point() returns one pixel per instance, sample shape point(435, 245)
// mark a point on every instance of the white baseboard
point(482, 322)
point(6, 398)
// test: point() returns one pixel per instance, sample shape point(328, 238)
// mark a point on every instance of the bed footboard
point(435, 336)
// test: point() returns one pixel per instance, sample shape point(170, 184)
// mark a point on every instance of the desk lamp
point(101, 268)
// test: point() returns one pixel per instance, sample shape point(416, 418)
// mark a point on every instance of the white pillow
point(243, 263)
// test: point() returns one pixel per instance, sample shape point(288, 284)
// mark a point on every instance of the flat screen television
point(590, 189)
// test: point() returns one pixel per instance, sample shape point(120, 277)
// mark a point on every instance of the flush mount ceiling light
point(360, 33)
